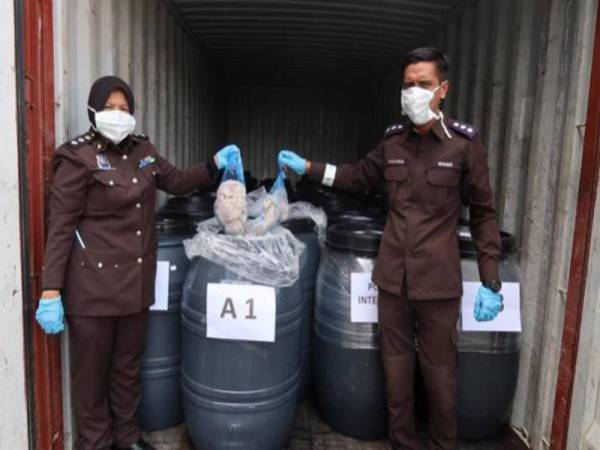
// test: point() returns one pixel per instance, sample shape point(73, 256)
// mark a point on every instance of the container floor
point(312, 433)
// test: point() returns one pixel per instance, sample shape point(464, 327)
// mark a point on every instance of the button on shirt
point(108, 193)
point(427, 177)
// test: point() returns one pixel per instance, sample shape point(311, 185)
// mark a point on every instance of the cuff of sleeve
point(51, 281)
point(488, 270)
point(316, 171)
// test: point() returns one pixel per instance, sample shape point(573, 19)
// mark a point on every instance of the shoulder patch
point(393, 130)
point(81, 140)
point(463, 128)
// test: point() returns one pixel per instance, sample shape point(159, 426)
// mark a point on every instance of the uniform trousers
point(430, 326)
point(106, 356)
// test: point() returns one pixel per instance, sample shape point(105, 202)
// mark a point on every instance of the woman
point(101, 259)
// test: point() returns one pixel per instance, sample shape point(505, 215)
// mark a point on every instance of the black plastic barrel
point(347, 371)
point(160, 405)
point(239, 394)
point(305, 231)
point(488, 362)
point(199, 206)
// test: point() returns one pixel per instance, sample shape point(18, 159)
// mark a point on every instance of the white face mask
point(415, 103)
point(114, 124)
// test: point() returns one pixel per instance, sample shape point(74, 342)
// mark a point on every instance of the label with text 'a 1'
point(241, 312)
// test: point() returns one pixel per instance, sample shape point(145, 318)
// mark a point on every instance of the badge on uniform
point(147, 161)
point(103, 162)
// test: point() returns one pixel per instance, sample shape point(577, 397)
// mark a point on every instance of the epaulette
point(81, 140)
point(394, 129)
point(463, 128)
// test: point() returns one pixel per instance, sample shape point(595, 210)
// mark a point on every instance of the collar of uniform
point(437, 130)
point(101, 144)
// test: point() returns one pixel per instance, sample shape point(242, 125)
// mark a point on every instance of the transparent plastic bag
point(230, 205)
point(272, 259)
point(271, 209)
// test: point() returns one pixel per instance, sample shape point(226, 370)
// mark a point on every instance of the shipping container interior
point(322, 78)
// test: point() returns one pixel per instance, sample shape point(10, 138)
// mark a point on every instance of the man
point(430, 165)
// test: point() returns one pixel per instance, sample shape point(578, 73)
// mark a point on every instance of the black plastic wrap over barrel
point(160, 405)
point(488, 362)
point(239, 394)
point(347, 371)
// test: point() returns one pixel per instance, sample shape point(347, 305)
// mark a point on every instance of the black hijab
point(101, 90)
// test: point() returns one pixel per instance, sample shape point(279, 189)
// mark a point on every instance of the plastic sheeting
point(333, 308)
point(272, 259)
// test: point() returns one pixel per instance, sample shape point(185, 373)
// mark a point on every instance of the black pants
point(433, 322)
point(106, 355)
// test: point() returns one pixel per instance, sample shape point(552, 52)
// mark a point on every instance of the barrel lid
point(355, 216)
point(468, 248)
point(299, 225)
point(168, 223)
point(355, 237)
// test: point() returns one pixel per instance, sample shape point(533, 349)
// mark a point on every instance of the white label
point(161, 287)
point(363, 307)
point(240, 312)
point(508, 320)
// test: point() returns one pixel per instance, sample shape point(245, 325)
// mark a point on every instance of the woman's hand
point(50, 313)
point(293, 161)
point(226, 154)
point(50, 293)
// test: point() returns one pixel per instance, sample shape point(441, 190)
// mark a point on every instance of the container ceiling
point(308, 42)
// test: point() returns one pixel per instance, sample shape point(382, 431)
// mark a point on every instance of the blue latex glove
point(487, 305)
point(226, 154)
point(293, 161)
point(50, 315)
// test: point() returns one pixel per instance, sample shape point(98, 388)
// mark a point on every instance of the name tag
point(240, 312)
point(447, 164)
point(103, 162)
point(396, 162)
point(147, 161)
point(363, 293)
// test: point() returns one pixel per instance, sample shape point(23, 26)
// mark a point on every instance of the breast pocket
point(443, 187)
point(106, 191)
point(396, 180)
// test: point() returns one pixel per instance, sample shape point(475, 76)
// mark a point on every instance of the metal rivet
point(116, 266)
point(134, 181)
point(87, 137)
point(153, 172)
point(124, 156)
point(81, 140)
point(139, 260)
point(73, 142)
point(456, 124)
point(100, 265)
point(462, 127)
point(82, 264)
point(470, 130)
point(111, 182)
point(138, 232)
point(99, 146)
point(138, 205)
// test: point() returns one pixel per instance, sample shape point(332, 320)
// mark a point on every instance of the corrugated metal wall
point(313, 122)
point(176, 88)
point(520, 72)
